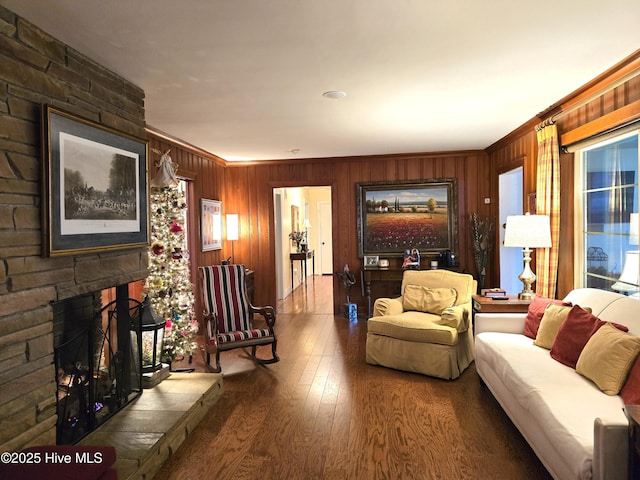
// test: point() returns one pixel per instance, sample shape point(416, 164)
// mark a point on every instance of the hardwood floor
point(323, 413)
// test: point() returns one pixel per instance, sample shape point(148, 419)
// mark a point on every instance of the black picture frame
point(94, 186)
point(396, 216)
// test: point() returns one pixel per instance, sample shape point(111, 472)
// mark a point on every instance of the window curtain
point(548, 203)
point(618, 205)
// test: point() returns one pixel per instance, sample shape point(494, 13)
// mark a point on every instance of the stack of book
point(493, 292)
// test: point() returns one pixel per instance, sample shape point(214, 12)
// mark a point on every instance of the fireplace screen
point(98, 369)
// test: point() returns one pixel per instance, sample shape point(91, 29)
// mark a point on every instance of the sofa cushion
point(607, 358)
point(413, 327)
point(630, 392)
point(553, 317)
point(535, 313)
point(462, 283)
point(573, 335)
point(432, 300)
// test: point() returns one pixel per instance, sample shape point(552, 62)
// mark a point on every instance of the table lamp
point(527, 231)
point(629, 278)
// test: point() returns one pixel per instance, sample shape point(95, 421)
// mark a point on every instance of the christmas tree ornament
point(157, 248)
point(166, 176)
point(175, 227)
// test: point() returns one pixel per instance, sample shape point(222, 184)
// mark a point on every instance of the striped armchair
point(228, 315)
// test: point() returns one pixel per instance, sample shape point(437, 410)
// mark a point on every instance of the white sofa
point(576, 430)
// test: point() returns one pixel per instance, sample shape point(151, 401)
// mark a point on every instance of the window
point(608, 173)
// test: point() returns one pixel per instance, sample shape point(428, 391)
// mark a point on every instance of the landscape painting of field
point(396, 217)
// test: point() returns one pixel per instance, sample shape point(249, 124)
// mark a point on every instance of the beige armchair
point(428, 329)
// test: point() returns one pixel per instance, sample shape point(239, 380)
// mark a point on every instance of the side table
point(633, 414)
point(482, 304)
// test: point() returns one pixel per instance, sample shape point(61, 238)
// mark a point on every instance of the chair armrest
point(268, 313)
point(499, 322)
point(610, 449)
point(456, 317)
point(210, 328)
point(387, 306)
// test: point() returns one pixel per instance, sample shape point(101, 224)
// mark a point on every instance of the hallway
point(315, 296)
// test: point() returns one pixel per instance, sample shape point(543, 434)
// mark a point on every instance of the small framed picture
point(371, 260)
point(211, 224)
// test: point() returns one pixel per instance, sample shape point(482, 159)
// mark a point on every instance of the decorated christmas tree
point(168, 283)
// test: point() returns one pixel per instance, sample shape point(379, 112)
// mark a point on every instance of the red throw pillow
point(573, 335)
point(535, 313)
point(630, 392)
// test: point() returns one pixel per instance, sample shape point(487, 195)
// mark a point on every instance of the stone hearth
point(148, 430)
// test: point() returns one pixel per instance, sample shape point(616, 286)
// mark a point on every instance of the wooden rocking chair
point(228, 315)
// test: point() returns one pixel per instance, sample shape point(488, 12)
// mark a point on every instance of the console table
point(303, 257)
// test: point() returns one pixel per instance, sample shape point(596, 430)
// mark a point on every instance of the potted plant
point(297, 237)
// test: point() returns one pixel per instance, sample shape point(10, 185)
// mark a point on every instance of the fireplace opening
point(98, 361)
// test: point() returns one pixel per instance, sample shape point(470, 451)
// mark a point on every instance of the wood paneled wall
point(589, 111)
point(247, 189)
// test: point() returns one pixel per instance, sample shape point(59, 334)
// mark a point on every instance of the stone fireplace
point(41, 69)
point(97, 360)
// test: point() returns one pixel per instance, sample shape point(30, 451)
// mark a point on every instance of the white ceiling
point(243, 79)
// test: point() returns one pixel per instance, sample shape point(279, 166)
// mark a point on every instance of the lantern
point(152, 327)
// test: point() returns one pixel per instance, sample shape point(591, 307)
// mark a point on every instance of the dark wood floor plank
point(323, 413)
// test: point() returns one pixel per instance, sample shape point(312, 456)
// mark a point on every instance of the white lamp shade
point(232, 226)
point(634, 229)
point(532, 231)
point(628, 281)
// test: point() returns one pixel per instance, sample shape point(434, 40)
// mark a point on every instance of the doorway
point(312, 205)
point(510, 188)
point(277, 199)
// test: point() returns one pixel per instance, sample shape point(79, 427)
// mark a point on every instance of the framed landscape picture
point(396, 216)
point(94, 186)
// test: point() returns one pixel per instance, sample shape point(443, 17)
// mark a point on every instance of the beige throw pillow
point(607, 358)
point(552, 318)
point(431, 300)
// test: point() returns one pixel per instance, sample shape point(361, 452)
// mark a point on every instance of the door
point(325, 240)
point(277, 215)
point(510, 191)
